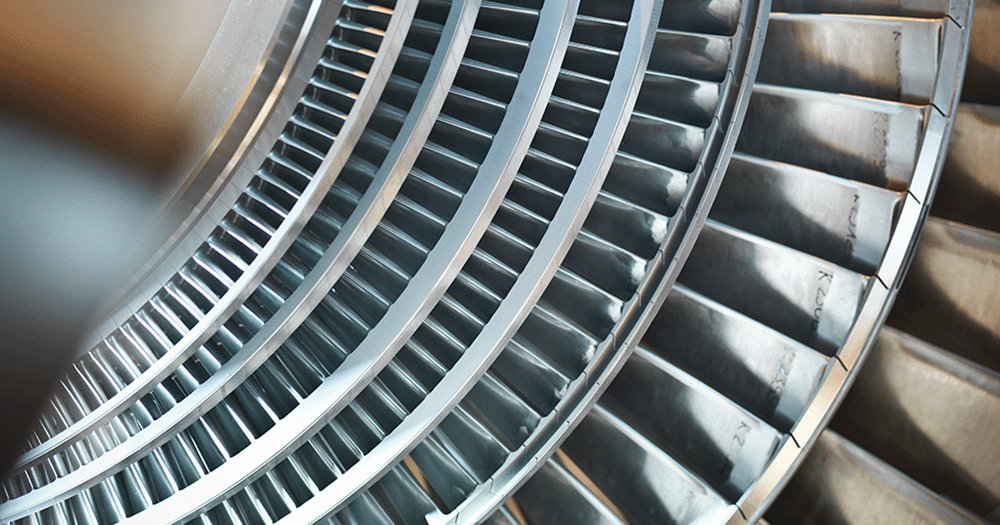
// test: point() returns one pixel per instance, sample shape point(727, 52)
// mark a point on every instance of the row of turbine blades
point(459, 236)
point(917, 434)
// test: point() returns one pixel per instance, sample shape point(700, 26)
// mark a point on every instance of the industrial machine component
point(434, 232)
point(790, 279)
point(916, 436)
point(465, 221)
point(919, 426)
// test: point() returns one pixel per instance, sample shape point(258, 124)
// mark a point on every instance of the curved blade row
point(143, 367)
point(917, 434)
point(774, 311)
point(919, 425)
point(470, 216)
point(466, 222)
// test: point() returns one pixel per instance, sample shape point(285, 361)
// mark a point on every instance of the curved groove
point(583, 393)
point(256, 351)
point(516, 306)
point(919, 180)
point(425, 288)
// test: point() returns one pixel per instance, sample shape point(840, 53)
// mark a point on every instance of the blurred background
point(93, 133)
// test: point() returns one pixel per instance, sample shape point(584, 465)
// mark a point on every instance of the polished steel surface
point(458, 265)
point(159, 369)
point(210, 321)
point(385, 339)
point(517, 303)
point(805, 298)
point(801, 48)
point(839, 220)
point(773, 375)
point(782, 258)
point(916, 434)
point(182, 349)
point(875, 153)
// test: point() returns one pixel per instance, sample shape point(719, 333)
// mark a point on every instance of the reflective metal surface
point(345, 286)
point(916, 436)
point(455, 290)
point(784, 257)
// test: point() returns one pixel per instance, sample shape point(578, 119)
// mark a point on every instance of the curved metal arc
point(585, 390)
point(695, 206)
point(513, 309)
point(262, 116)
point(378, 348)
point(248, 135)
point(526, 291)
point(199, 334)
point(842, 370)
point(385, 340)
point(522, 463)
point(266, 341)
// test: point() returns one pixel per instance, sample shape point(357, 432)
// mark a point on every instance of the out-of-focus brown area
point(88, 92)
point(67, 67)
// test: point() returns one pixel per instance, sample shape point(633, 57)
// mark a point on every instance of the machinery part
point(923, 412)
point(790, 279)
point(839, 471)
point(463, 231)
point(920, 423)
point(447, 194)
point(88, 135)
